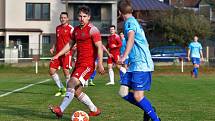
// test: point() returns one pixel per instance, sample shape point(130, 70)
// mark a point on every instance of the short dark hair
point(112, 26)
point(85, 9)
point(125, 6)
point(64, 13)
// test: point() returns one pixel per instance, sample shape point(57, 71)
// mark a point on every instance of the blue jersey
point(139, 56)
point(195, 48)
point(122, 49)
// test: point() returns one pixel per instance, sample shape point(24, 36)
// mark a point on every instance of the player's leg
point(195, 70)
point(111, 73)
point(70, 92)
point(196, 62)
point(141, 82)
point(84, 98)
point(53, 67)
point(92, 78)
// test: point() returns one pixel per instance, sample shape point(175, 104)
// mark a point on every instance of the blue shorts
point(196, 61)
point(137, 80)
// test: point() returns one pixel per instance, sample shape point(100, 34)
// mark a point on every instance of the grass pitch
point(176, 96)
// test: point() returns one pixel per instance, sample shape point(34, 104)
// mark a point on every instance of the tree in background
point(179, 26)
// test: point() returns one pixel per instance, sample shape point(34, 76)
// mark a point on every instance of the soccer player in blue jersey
point(139, 74)
point(195, 55)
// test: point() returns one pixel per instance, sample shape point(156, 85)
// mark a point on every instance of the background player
point(195, 55)
point(139, 73)
point(122, 50)
point(89, 46)
point(113, 45)
point(63, 36)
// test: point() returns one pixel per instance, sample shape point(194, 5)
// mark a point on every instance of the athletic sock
point(130, 98)
point(195, 71)
point(67, 79)
point(57, 80)
point(147, 107)
point(87, 101)
point(67, 99)
point(111, 75)
point(93, 75)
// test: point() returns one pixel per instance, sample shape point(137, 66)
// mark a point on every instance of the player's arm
point(65, 49)
point(129, 45)
point(96, 36)
point(53, 46)
point(105, 49)
point(119, 42)
point(100, 56)
point(201, 54)
point(188, 54)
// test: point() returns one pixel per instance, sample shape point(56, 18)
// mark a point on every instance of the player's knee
point(123, 91)
point(72, 83)
point(196, 66)
point(138, 97)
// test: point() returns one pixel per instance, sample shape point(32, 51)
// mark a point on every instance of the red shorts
point(64, 61)
point(82, 73)
point(114, 59)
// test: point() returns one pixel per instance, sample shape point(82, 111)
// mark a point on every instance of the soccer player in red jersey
point(113, 45)
point(89, 46)
point(63, 36)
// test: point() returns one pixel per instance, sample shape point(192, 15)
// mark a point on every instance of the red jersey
point(85, 39)
point(114, 40)
point(63, 35)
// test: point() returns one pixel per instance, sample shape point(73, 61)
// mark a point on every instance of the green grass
point(176, 96)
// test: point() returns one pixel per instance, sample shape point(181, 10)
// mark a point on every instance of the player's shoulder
point(93, 29)
point(116, 36)
point(70, 26)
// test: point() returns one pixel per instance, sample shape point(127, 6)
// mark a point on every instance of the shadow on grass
point(28, 114)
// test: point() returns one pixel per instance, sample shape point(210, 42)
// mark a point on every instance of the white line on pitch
point(25, 87)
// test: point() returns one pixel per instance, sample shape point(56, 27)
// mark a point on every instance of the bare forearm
point(64, 50)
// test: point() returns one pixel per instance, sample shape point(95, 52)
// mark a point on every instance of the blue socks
point(147, 107)
point(195, 71)
point(93, 75)
point(144, 104)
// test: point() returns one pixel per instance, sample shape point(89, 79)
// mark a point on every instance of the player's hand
point(110, 55)
point(67, 53)
point(55, 57)
point(121, 60)
point(101, 69)
point(113, 46)
point(188, 58)
point(52, 50)
point(202, 59)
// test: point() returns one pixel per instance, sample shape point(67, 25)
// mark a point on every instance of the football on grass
point(80, 116)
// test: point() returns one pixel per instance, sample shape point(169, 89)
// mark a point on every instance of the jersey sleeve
point(71, 31)
point(130, 26)
point(200, 47)
point(95, 34)
point(190, 46)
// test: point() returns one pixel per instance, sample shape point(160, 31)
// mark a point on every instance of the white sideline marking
point(25, 87)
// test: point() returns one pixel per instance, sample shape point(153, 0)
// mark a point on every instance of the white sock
point(123, 70)
point(67, 79)
point(111, 75)
point(67, 99)
point(57, 80)
point(87, 101)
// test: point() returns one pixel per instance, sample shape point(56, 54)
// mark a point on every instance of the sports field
point(176, 96)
